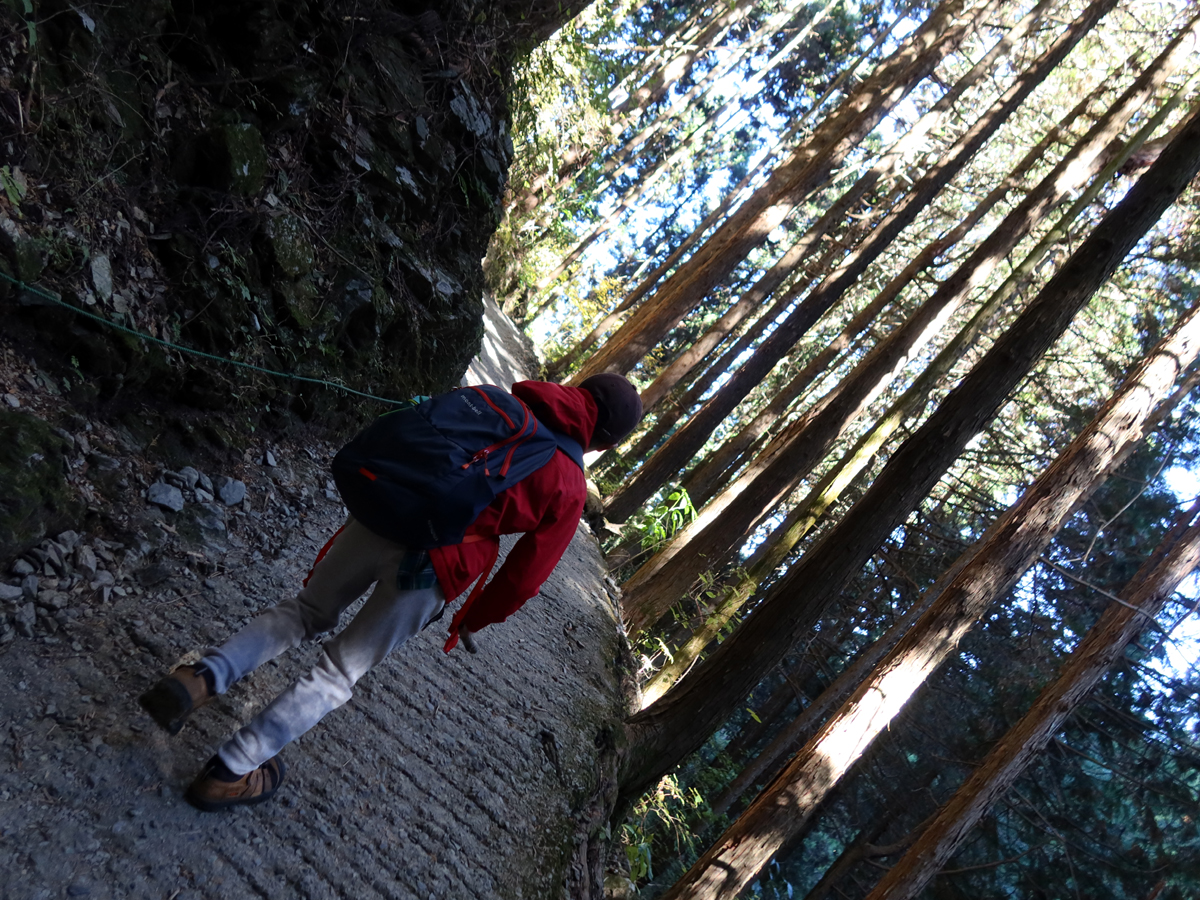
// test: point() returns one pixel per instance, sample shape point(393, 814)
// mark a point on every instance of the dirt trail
point(445, 777)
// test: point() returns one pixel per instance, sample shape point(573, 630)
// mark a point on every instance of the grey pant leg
point(386, 621)
point(353, 561)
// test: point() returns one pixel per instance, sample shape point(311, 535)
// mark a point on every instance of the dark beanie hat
point(620, 407)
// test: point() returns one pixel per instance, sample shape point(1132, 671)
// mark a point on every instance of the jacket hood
point(569, 410)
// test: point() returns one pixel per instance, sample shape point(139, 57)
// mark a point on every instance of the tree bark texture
point(688, 440)
point(1010, 547)
point(700, 482)
point(788, 185)
point(862, 847)
point(800, 729)
point(1177, 555)
point(731, 200)
point(625, 502)
point(886, 165)
point(668, 419)
point(728, 202)
point(662, 735)
point(804, 516)
point(723, 524)
point(635, 296)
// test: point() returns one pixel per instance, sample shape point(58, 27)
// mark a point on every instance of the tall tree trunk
point(800, 729)
point(662, 735)
point(796, 394)
point(700, 482)
point(689, 439)
point(614, 168)
point(768, 557)
point(771, 553)
point(790, 690)
point(628, 199)
point(1009, 548)
point(635, 296)
point(686, 33)
point(885, 166)
point(724, 522)
point(539, 19)
point(862, 847)
point(788, 185)
point(1176, 556)
point(668, 419)
point(728, 202)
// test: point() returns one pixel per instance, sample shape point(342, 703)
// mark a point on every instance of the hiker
point(411, 585)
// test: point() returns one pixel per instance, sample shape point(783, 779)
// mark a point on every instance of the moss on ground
point(308, 187)
point(35, 498)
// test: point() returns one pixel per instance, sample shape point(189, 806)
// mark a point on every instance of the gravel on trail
point(446, 776)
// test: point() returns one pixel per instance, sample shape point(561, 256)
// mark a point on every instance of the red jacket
point(546, 506)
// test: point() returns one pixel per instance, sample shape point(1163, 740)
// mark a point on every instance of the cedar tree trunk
point(1010, 547)
point(662, 735)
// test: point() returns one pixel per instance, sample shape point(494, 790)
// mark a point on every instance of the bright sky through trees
point(923, 197)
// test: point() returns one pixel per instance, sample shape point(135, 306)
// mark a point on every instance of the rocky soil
point(308, 187)
point(452, 776)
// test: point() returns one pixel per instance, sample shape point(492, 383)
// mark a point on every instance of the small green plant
point(666, 519)
point(667, 817)
point(30, 24)
point(637, 851)
point(13, 183)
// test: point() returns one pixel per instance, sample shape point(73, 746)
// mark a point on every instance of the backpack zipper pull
point(479, 455)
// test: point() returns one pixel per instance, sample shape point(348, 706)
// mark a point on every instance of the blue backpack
point(421, 474)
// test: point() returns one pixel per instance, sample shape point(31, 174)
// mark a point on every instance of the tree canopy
point(875, 268)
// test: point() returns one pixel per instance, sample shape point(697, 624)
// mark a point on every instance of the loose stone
point(24, 619)
point(152, 575)
point(211, 518)
point(230, 490)
point(103, 463)
point(85, 562)
point(165, 495)
point(102, 278)
point(55, 556)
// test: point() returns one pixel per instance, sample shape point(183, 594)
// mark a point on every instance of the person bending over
point(411, 587)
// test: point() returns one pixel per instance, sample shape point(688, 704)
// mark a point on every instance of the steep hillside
point(305, 189)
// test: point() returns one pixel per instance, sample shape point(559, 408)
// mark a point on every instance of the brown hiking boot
point(175, 697)
point(217, 788)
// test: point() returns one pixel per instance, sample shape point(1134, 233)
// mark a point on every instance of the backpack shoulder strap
point(569, 446)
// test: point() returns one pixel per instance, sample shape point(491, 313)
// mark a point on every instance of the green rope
point(221, 359)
